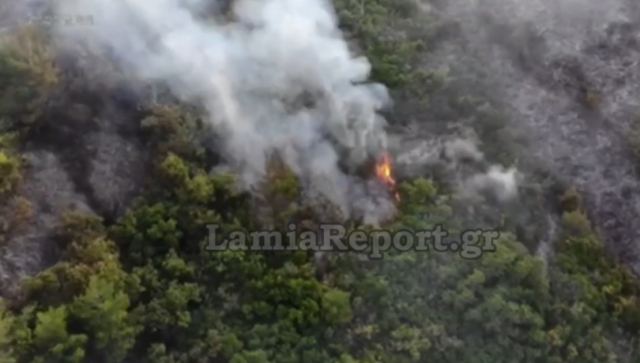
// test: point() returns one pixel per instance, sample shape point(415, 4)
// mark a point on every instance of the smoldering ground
point(273, 76)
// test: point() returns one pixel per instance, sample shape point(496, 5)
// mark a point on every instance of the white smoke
point(464, 164)
point(499, 182)
point(459, 150)
point(252, 74)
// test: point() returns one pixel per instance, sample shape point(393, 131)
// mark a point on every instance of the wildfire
point(384, 173)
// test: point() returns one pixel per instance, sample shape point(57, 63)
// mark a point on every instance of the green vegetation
point(9, 173)
point(389, 56)
point(147, 290)
point(28, 77)
point(144, 289)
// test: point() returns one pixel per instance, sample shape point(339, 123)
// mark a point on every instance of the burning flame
point(384, 173)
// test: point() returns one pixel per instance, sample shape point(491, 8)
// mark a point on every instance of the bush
point(9, 173)
point(28, 77)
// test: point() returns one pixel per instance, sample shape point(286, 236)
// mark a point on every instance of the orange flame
point(384, 173)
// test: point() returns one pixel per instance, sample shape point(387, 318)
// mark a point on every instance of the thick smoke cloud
point(278, 77)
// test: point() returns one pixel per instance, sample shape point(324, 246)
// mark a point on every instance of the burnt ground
point(87, 155)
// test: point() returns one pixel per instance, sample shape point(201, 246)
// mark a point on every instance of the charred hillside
point(141, 141)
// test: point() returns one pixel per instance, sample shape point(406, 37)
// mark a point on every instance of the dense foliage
point(144, 289)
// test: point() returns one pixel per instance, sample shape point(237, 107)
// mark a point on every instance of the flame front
point(384, 173)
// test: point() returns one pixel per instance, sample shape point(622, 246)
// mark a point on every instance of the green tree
point(9, 173)
point(103, 313)
point(6, 339)
point(53, 342)
point(28, 76)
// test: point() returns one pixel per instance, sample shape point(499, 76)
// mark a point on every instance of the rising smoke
point(277, 78)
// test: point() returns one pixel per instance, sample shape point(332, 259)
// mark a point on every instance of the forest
point(108, 184)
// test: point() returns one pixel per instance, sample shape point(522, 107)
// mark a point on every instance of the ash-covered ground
point(567, 75)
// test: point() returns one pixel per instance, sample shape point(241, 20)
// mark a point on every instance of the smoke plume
point(275, 76)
